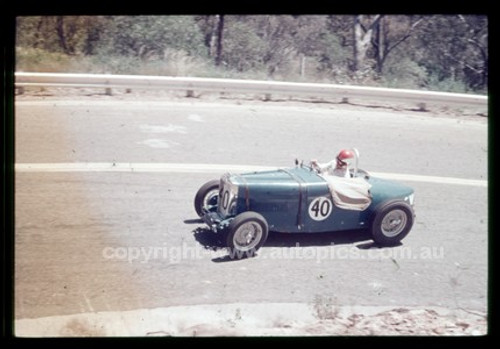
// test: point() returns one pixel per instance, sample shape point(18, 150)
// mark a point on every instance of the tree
point(212, 28)
point(439, 51)
point(243, 48)
point(276, 32)
point(364, 27)
point(217, 43)
point(475, 61)
point(390, 32)
point(73, 32)
point(71, 35)
point(148, 36)
point(454, 48)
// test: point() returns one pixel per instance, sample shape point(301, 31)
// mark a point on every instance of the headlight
point(232, 207)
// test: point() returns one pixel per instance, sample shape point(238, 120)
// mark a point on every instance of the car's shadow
point(208, 239)
point(215, 242)
point(316, 239)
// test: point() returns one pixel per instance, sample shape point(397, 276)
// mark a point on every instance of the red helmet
point(345, 156)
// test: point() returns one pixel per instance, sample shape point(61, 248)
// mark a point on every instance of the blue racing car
point(302, 199)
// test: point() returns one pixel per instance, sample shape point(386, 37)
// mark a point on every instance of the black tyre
point(246, 233)
point(392, 221)
point(207, 197)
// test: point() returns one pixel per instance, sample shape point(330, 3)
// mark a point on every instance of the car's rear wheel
point(247, 232)
point(392, 222)
point(207, 197)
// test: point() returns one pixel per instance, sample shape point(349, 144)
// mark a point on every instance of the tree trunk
point(220, 32)
point(61, 35)
point(362, 39)
point(212, 48)
point(380, 38)
point(93, 34)
point(38, 38)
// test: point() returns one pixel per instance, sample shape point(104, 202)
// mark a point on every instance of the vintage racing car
point(245, 207)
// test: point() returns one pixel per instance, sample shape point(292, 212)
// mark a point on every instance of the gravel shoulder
point(430, 110)
point(266, 319)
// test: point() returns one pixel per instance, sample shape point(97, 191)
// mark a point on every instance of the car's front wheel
point(207, 197)
point(391, 223)
point(247, 232)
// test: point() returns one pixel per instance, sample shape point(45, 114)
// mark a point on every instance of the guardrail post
point(108, 91)
point(422, 106)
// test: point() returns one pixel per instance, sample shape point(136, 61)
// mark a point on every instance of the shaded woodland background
point(431, 52)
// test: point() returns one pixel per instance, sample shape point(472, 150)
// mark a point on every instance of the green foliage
point(243, 50)
point(71, 35)
point(151, 36)
point(39, 60)
point(434, 52)
point(456, 50)
point(402, 72)
point(33, 32)
point(434, 83)
point(333, 59)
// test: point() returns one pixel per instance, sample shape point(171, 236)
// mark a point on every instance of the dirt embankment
point(276, 319)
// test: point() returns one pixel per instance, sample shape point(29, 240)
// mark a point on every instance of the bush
point(38, 60)
point(175, 63)
point(403, 73)
point(334, 58)
point(446, 84)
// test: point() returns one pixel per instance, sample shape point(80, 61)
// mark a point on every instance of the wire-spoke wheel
point(247, 232)
point(392, 222)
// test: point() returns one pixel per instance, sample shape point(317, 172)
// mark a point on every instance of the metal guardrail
point(267, 88)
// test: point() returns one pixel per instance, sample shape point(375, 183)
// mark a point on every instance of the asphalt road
point(115, 241)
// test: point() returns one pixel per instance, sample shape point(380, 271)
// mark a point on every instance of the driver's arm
point(321, 167)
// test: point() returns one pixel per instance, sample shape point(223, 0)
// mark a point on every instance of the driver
point(337, 167)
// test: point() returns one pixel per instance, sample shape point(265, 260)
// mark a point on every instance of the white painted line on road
point(431, 179)
point(212, 168)
point(136, 167)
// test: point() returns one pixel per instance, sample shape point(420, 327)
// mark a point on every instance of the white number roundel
point(320, 208)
